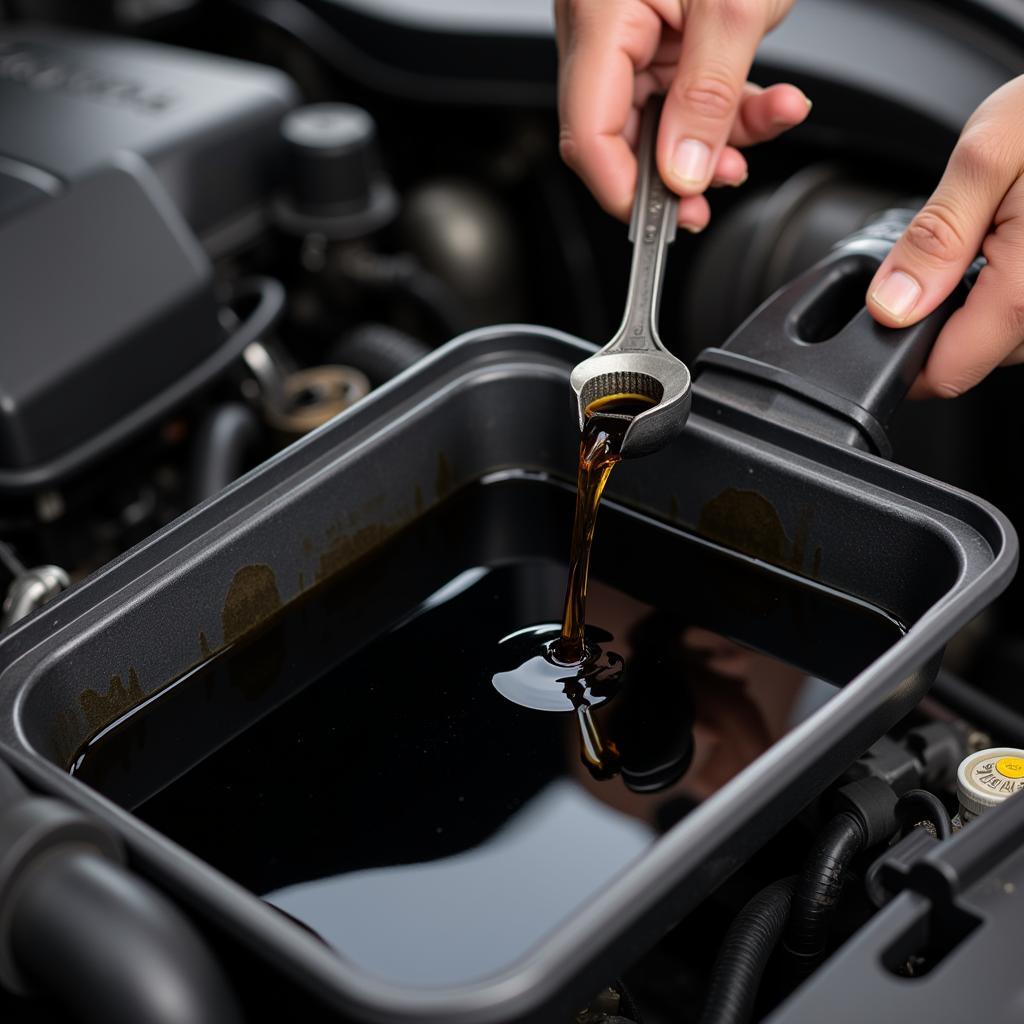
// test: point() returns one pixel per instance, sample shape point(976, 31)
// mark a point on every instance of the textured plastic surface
point(208, 126)
point(107, 300)
point(803, 359)
point(932, 555)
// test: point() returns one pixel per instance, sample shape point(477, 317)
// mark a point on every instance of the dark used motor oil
point(395, 802)
point(567, 668)
point(605, 426)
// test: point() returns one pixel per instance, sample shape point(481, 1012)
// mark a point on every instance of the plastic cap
point(337, 183)
point(988, 777)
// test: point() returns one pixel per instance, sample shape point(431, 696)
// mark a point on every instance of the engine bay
point(264, 523)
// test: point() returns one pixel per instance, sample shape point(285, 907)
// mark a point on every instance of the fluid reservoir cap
point(337, 183)
point(988, 777)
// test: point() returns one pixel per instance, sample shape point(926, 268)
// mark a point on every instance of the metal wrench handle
point(635, 362)
point(651, 230)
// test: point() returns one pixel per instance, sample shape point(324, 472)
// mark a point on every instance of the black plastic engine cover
point(107, 300)
point(114, 155)
point(207, 125)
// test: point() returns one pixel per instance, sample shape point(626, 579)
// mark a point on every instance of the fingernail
point(691, 162)
point(722, 183)
point(810, 105)
point(692, 228)
point(897, 295)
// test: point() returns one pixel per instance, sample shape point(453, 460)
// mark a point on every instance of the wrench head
point(655, 375)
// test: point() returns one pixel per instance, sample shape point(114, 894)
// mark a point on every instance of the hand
point(979, 204)
point(615, 53)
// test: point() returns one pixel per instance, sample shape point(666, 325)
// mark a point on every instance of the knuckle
point(709, 94)
point(735, 14)
point(739, 14)
point(935, 233)
point(982, 153)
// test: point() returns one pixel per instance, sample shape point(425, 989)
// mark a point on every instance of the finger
point(1015, 358)
point(694, 214)
point(943, 239)
point(766, 113)
point(989, 329)
point(732, 168)
point(606, 46)
point(718, 48)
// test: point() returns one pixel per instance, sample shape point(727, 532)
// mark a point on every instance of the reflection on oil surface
point(355, 765)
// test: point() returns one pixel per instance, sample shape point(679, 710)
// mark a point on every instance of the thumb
point(941, 242)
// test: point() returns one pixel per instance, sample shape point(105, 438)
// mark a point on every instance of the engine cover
point(207, 125)
point(113, 154)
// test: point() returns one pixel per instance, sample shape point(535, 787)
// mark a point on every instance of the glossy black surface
point(398, 805)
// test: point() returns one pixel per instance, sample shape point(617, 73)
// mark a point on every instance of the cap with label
point(988, 777)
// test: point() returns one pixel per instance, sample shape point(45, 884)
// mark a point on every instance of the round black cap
point(337, 183)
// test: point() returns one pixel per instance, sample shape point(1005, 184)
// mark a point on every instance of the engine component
point(461, 233)
point(338, 187)
point(114, 151)
point(379, 350)
point(979, 707)
point(937, 949)
point(399, 274)
point(930, 812)
point(888, 873)
point(926, 757)
point(60, 873)
point(986, 778)
point(136, 312)
point(315, 395)
point(223, 440)
point(866, 816)
point(31, 589)
point(750, 941)
point(206, 125)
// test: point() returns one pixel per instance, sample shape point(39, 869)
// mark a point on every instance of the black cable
point(934, 810)
point(746, 949)
point(224, 439)
point(262, 300)
point(995, 717)
point(820, 886)
point(270, 298)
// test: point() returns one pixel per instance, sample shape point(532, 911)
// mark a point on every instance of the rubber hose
point(110, 949)
point(380, 351)
point(930, 808)
point(820, 886)
point(223, 440)
point(746, 949)
point(401, 272)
